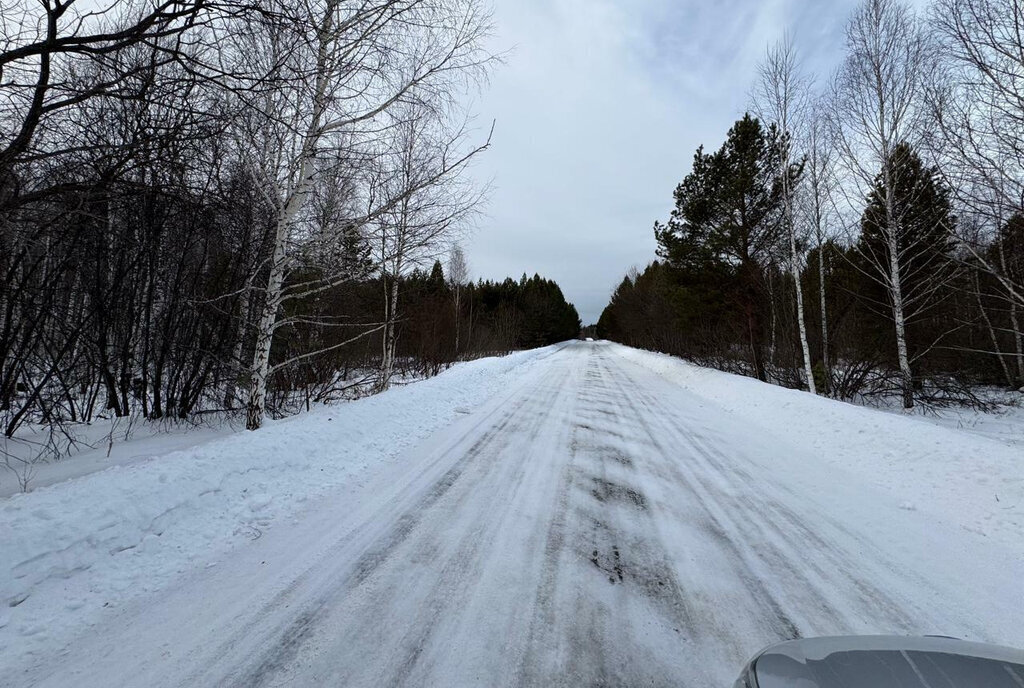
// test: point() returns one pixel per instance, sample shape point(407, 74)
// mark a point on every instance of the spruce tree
point(923, 231)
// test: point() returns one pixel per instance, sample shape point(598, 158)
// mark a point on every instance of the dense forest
point(441, 321)
point(864, 238)
point(212, 207)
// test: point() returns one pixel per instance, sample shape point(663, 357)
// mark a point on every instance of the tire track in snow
point(731, 534)
point(261, 645)
point(460, 572)
point(602, 562)
point(475, 472)
point(836, 595)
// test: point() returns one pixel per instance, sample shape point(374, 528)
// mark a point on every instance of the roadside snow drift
point(69, 549)
point(966, 480)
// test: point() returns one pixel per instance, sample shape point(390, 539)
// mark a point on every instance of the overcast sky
point(599, 108)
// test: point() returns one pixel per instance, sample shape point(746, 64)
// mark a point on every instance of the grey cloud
point(599, 108)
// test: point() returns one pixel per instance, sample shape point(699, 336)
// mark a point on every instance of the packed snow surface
point(969, 481)
point(579, 515)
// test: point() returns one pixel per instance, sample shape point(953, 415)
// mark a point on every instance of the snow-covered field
point(578, 515)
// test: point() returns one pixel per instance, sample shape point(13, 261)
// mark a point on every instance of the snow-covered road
point(593, 524)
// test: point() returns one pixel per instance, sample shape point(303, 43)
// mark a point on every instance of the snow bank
point(91, 450)
point(100, 539)
point(962, 478)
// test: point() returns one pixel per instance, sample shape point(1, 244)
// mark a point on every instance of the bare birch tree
point(816, 205)
point(334, 70)
point(877, 95)
point(421, 171)
point(458, 275)
point(977, 104)
point(781, 97)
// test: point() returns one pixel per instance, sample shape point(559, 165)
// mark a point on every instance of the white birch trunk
point(265, 333)
point(795, 268)
point(817, 182)
point(387, 367)
point(294, 199)
point(1014, 320)
point(896, 289)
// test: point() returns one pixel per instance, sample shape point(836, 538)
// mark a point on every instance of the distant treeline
point(439, 322)
point(722, 293)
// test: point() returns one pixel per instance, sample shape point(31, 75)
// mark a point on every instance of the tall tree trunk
point(265, 334)
point(991, 332)
point(1019, 340)
point(387, 367)
point(825, 362)
point(896, 289)
point(292, 203)
point(1014, 320)
point(794, 267)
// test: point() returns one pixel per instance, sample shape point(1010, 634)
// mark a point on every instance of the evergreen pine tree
point(727, 220)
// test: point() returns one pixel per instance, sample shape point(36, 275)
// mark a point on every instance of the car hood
point(888, 662)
